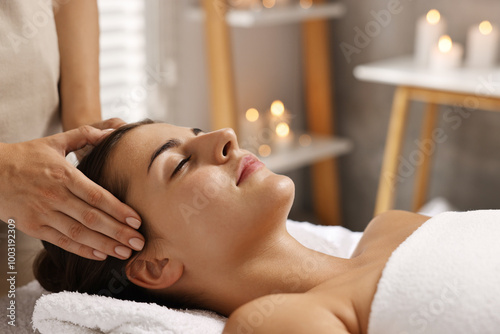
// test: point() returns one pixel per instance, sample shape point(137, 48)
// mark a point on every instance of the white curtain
point(135, 75)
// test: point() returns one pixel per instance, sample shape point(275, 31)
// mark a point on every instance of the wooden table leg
point(394, 143)
point(423, 171)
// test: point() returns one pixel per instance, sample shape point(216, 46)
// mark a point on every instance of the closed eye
point(180, 165)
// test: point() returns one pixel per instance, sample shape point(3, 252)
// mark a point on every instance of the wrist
point(74, 118)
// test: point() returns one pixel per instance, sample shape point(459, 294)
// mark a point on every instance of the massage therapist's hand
point(111, 123)
point(50, 199)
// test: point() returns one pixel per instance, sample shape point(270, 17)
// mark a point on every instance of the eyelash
point(180, 165)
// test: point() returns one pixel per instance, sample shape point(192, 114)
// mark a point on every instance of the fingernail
point(123, 251)
point(100, 255)
point(133, 222)
point(136, 243)
point(108, 130)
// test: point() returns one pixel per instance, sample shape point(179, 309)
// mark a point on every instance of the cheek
point(200, 198)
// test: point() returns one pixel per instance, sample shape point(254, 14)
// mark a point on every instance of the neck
point(281, 265)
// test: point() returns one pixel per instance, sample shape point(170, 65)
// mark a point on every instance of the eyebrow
point(173, 142)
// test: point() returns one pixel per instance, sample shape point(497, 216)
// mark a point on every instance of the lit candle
point(278, 114)
point(264, 150)
point(306, 4)
point(429, 29)
point(272, 3)
point(283, 139)
point(268, 3)
point(250, 129)
point(277, 108)
point(446, 55)
point(482, 45)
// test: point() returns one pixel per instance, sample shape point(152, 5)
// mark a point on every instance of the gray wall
point(466, 165)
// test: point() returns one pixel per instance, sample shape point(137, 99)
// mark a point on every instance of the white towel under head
point(72, 312)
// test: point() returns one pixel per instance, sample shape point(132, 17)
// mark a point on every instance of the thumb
point(76, 139)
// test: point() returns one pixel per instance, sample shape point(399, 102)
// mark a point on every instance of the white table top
point(403, 71)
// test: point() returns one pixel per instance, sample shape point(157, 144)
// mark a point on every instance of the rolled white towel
point(79, 313)
point(444, 278)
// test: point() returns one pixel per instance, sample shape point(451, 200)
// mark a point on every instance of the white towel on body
point(70, 312)
point(445, 278)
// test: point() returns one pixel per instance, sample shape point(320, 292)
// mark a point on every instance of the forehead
point(158, 131)
point(151, 135)
point(135, 147)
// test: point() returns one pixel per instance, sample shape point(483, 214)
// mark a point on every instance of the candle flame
point(445, 44)
point(306, 3)
point(277, 108)
point(264, 150)
point(269, 3)
point(485, 27)
point(433, 16)
point(282, 129)
point(252, 115)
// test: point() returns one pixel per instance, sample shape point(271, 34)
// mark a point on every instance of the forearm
point(78, 33)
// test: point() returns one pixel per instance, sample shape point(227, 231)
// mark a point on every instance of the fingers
point(81, 153)
point(112, 123)
point(96, 229)
point(86, 237)
point(76, 139)
point(63, 241)
point(73, 140)
point(99, 205)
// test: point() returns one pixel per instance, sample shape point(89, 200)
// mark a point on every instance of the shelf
point(247, 18)
point(403, 71)
point(321, 147)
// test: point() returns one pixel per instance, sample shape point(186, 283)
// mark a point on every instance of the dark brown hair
point(57, 269)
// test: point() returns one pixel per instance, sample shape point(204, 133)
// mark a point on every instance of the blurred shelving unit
point(321, 147)
point(324, 146)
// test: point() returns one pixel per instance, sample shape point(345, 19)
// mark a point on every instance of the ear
point(154, 273)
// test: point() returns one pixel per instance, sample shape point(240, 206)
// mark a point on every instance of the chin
point(267, 208)
point(285, 187)
point(278, 195)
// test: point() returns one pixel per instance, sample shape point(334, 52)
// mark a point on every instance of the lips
point(248, 165)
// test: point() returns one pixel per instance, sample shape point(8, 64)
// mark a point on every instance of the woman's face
point(184, 184)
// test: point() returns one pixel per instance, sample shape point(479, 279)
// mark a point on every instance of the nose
point(220, 145)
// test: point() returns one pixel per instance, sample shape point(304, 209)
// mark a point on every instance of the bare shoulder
point(391, 228)
point(283, 313)
point(397, 217)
